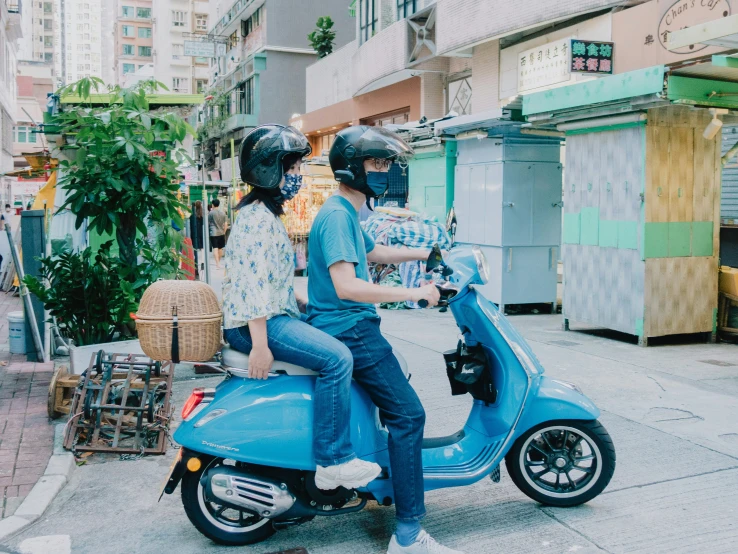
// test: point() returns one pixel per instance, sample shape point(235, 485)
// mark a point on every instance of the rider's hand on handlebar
point(429, 293)
point(260, 362)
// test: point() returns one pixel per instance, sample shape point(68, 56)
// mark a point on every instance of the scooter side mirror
point(435, 259)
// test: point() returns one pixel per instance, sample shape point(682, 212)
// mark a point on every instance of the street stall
point(507, 199)
point(300, 212)
point(641, 196)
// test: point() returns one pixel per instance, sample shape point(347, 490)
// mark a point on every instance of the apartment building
point(133, 36)
point(80, 41)
point(39, 26)
point(266, 53)
point(174, 22)
point(10, 33)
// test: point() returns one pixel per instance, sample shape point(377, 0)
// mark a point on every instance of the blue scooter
point(246, 463)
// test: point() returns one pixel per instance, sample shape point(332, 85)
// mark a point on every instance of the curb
point(57, 474)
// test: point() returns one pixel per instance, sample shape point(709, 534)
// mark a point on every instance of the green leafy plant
point(116, 181)
point(122, 179)
point(215, 116)
point(86, 294)
point(321, 39)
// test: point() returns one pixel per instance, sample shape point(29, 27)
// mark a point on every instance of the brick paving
point(26, 435)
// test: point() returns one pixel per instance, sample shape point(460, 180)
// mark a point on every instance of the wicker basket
point(198, 321)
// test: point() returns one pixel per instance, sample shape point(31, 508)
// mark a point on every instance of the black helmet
point(262, 151)
point(353, 145)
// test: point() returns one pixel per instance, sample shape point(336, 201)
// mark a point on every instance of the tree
point(321, 39)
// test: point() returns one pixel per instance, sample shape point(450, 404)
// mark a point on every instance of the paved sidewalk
point(26, 436)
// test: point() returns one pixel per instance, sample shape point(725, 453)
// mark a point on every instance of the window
point(128, 30)
point(80, 27)
point(181, 84)
point(177, 51)
point(251, 23)
point(233, 40)
point(128, 50)
point(24, 134)
point(144, 51)
point(128, 68)
point(140, 66)
point(127, 11)
point(201, 60)
point(144, 32)
point(201, 86)
point(143, 13)
point(80, 67)
point(368, 14)
point(406, 8)
point(247, 96)
point(201, 22)
point(48, 57)
point(48, 41)
point(48, 24)
point(87, 67)
point(87, 16)
point(179, 18)
point(80, 47)
point(47, 7)
point(87, 57)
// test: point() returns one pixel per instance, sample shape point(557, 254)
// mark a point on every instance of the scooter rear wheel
point(562, 463)
point(220, 524)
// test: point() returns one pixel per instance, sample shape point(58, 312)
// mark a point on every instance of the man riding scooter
point(341, 303)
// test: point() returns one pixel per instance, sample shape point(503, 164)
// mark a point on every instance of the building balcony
point(403, 50)
point(240, 121)
point(328, 81)
point(231, 21)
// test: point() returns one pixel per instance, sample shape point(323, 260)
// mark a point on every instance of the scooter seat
point(234, 359)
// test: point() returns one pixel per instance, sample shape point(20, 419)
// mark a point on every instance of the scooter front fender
point(555, 400)
point(271, 423)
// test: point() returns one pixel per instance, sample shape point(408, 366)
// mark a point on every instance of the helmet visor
point(379, 143)
point(292, 140)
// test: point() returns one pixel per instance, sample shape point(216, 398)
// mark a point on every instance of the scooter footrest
point(495, 475)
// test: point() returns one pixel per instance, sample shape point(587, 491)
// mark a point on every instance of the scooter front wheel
point(562, 463)
point(220, 524)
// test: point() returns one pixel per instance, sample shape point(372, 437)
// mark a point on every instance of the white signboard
point(544, 65)
point(199, 49)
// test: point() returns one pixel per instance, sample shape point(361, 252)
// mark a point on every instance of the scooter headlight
point(482, 264)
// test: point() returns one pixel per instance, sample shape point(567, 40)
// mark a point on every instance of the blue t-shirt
point(336, 236)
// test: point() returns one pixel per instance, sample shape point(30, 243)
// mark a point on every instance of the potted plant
point(121, 178)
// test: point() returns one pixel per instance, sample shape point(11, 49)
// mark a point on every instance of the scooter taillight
point(198, 397)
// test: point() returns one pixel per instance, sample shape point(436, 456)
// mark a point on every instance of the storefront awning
point(611, 90)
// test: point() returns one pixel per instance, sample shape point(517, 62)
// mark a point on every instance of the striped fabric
point(413, 232)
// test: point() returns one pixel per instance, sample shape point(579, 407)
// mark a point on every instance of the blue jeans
point(379, 373)
point(295, 342)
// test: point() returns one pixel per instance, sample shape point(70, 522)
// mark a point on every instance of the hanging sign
point(591, 57)
point(199, 48)
point(544, 65)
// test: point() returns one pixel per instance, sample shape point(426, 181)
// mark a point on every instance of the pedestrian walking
point(218, 224)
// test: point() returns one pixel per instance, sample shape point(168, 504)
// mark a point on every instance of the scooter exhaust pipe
point(262, 496)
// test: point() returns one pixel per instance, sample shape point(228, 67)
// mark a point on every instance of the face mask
point(291, 187)
point(378, 182)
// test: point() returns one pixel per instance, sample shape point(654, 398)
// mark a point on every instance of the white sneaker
point(352, 475)
point(424, 544)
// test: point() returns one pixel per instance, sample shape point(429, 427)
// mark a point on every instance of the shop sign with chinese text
point(591, 57)
point(544, 65)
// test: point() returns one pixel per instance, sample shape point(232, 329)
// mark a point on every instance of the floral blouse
point(259, 269)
